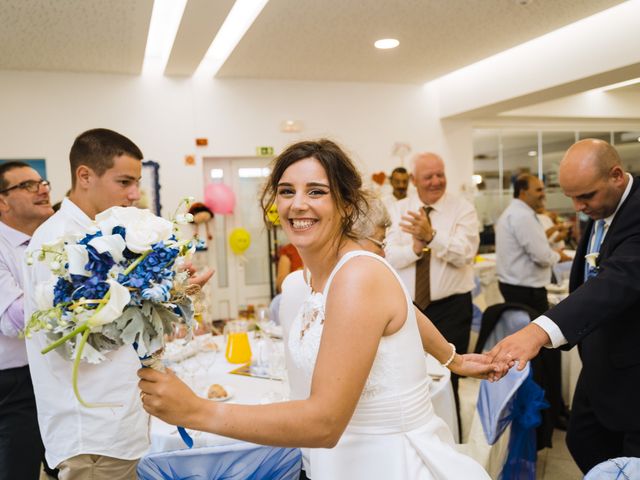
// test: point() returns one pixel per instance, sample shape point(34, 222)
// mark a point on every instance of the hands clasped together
point(418, 225)
point(519, 348)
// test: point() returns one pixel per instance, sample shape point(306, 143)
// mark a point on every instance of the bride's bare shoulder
point(364, 276)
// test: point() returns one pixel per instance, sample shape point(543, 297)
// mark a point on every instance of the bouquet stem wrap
point(154, 361)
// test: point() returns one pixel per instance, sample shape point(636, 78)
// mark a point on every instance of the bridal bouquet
point(116, 284)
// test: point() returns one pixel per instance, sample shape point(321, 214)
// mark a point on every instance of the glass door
point(240, 280)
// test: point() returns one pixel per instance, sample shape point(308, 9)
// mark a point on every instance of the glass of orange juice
point(238, 349)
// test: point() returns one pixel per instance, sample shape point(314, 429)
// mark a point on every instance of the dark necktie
point(423, 281)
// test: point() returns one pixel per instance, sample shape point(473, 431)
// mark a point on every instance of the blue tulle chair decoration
point(239, 461)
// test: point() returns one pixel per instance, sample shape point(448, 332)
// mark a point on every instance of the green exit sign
point(264, 151)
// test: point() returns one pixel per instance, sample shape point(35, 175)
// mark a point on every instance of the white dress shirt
point(13, 244)
point(523, 255)
point(544, 322)
point(69, 429)
point(453, 247)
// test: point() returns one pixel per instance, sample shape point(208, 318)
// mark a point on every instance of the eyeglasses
point(31, 186)
point(378, 243)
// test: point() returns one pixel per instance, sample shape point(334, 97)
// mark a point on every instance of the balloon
point(239, 240)
point(272, 215)
point(219, 198)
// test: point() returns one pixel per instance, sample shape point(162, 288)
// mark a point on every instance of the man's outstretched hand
point(520, 347)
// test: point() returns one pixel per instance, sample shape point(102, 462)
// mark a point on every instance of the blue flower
point(88, 287)
point(159, 292)
point(99, 263)
point(62, 291)
point(155, 268)
point(89, 236)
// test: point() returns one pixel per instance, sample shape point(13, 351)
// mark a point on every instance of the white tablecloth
point(207, 368)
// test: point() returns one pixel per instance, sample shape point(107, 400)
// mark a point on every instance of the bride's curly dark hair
point(345, 183)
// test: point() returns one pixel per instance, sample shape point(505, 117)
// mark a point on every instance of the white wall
point(593, 52)
point(43, 112)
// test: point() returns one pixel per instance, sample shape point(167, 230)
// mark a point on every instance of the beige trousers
point(97, 467)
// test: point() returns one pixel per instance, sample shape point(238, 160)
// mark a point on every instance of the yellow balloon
point(239, 240)
point(272, 215)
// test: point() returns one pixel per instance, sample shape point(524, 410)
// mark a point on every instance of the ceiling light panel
point(165, 20)
point(240, 18)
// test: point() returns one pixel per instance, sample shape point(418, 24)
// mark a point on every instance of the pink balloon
point(219, 198)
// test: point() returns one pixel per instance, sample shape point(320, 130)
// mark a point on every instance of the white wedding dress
point(394, 433)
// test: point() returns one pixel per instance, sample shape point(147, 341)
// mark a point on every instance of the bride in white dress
point(368, 414)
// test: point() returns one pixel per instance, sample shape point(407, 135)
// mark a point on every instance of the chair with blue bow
point(502, 435)
point(615, 469)
point(238, 461)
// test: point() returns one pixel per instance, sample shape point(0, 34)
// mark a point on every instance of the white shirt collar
point(438, 204)
point(609, 219)
point(73, 211)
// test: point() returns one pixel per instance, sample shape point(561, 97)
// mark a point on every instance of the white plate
point(230, 393)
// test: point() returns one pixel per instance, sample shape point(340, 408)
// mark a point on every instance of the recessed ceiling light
point(532, 153)
point(386, 43)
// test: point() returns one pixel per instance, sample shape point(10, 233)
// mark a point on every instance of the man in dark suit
point(602, 313)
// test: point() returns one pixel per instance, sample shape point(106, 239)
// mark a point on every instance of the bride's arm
point(358, 309)
point(467, 365)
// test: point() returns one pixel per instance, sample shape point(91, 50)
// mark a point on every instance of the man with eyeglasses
point(24, 205)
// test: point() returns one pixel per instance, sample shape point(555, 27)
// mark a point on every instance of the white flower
point(44, 294)
point(78, 257)
point(591, 259)
point(184, 218)
point(55, 246)
point(143, 228)
point(118, 299)
point(113, 244)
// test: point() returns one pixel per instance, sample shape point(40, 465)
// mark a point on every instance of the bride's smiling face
point(307, 210)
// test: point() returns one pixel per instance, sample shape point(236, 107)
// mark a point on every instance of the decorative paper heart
point(379, 178)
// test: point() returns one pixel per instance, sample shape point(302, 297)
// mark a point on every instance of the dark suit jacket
point(602, 316)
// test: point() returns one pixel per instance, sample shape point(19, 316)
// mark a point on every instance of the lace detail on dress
point(313, 312)
point(381, 373)
point(309, 322)
point(304, 347)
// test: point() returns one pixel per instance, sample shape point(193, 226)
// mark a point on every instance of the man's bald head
point(591, 174)
point(428, 177)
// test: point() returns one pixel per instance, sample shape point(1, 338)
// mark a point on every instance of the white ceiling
point(74, 35)
point(329, 40)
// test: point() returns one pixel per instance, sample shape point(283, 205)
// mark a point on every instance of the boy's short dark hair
point(97, 150)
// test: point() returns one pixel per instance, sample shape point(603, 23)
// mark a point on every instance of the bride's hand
point(477, 365)
point(165, 396)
